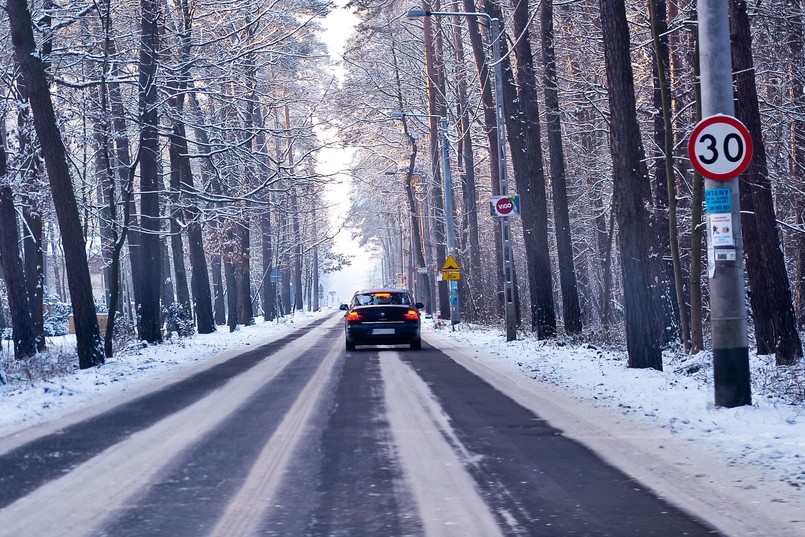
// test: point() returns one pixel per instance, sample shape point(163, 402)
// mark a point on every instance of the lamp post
point(449, 211)
point(505, 228)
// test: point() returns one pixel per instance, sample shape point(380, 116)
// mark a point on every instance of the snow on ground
point(768, 436)
point(26, 403)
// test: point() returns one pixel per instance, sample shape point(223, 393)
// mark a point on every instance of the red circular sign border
point(732, 121)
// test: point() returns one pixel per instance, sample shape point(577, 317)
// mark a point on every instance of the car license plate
point(383, 331)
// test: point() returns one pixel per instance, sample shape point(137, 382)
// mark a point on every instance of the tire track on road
point(96, 489)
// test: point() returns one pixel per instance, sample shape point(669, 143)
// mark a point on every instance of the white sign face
point(720, 147)
point(720, 229)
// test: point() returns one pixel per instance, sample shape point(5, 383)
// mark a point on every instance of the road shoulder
point(738, 500)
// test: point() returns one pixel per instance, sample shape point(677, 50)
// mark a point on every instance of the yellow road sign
point(452, 275)
point(450, 264)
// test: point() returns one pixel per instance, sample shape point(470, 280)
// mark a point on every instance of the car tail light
point(353, 316)
point(411, 315)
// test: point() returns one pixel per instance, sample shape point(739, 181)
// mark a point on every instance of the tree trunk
point(268, 295)
point(772, 307)
point(268, 286)
point(176, 225)
point(206, 315)
point(522, 124)
point(246, 314)
point(673, 305)
point(34, 277)
point(796, 133)
point(149, 327)
point(31, 219)
point(315, 257)
point(473, 286)
point(697, 234)
point(11, 263)
point(628, 160)
point(56, 262)
point(423, 280)
point(231, 279)
point(88, 339)
point(167, 294)
point(295, 242)
point(218, 291)
point(571, 312)
point(436, 107)
point(668, 275)
point(121, 164)
point(490, 127)
point(177, 146)
point(200, 279)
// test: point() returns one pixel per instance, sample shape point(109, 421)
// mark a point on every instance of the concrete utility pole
point(724, 242)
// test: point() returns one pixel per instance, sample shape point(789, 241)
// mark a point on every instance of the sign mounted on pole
point(450, 264)
point(720, 147)
point(504, 205)
point(450, 270)
point(718, 200)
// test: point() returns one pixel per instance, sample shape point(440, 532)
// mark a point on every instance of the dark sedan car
point(382, 317)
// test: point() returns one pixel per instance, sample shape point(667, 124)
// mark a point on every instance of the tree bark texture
point(630, 176)
point(665, 250)
point(490, 127)
point(772, 306)
point(219, 306)
point(522, 123)
point(12, 268)
point(149, 327)
point(88, 340)
point(571, 311)
point(796, 132)
point(434, 65)
point(473, 286)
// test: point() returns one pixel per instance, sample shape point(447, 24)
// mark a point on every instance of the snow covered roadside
point(741, 469)
point(31, 403)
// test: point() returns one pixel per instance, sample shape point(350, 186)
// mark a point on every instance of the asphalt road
point(302, 438)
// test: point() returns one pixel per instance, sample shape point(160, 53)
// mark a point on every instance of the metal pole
point(505, 229)
point(449, 217)
point(725, 264)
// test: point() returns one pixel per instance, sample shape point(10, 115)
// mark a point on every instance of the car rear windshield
point(373, 299)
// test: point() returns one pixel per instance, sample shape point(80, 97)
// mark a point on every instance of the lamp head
point(397, 115)
point(414, 13)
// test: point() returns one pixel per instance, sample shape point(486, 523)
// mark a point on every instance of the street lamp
point(455, 315)
point(505, 230)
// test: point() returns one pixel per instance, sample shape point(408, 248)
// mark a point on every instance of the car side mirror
point(344, 307)
point(420, 306)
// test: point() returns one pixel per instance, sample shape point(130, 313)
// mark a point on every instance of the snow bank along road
point(300, 438)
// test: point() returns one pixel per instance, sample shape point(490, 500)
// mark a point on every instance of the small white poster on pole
point(721, 229)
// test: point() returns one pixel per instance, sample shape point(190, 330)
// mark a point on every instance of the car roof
point(380, 290)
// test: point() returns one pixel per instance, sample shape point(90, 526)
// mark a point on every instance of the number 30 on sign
point(720, 147)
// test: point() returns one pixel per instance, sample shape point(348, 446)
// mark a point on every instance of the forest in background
point(600, 100)
point(168, 149)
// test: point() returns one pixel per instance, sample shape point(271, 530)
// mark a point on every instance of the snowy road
point(299, 437)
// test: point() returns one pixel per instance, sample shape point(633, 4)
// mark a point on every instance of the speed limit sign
point(720, 147)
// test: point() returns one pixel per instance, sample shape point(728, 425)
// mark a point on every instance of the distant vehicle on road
point(382, 317)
